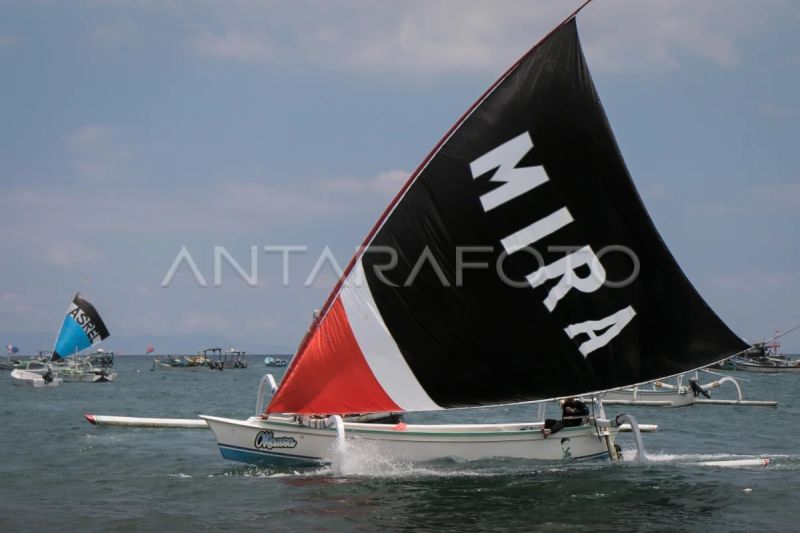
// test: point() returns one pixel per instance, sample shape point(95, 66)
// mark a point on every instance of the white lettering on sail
point(615, 323)
point(516, 181)
point(536, 231)
point(565, 268)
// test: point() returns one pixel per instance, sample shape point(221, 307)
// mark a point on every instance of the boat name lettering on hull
point(268, 440)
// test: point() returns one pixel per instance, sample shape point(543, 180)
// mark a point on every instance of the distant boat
point(230, 358)
point(182, 362)
point(82, 370)
point(10, 363)
point(34, 379)
point(36, 373)
point(766, 358)
point(81, 329)
point(36, 367)
point(102, 358)
point(275, 361)
point(727, 364)
point(209, 358)
point(766, 366)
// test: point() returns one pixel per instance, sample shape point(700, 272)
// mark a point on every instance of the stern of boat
point(270, 442)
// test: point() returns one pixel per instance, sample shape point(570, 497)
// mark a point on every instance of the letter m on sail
point(515, 181)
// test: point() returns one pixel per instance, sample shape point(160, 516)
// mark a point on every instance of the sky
point(133, 130)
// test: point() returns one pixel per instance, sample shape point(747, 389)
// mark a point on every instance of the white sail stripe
point(380, 350)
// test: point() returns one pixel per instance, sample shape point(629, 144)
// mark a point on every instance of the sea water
point(58, 472)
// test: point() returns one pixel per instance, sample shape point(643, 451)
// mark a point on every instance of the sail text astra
point(517, 181)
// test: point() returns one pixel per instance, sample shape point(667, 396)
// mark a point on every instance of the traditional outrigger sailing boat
point(520, 241)
point(81, 329)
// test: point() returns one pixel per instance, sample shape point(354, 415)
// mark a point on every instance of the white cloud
point(115, 34)
point(88, 137)
point(7, 41)
point(756, 281)
point(207, 322)
point(235, 205)
point(15, 303)
point(768, 198)
point(236, 44)
point(98, 156)
point(656, 191)
point(385, 183)
point(72, 253)
point(778, 196)
point(262, 321)
point(434, 38)
point(776, 110)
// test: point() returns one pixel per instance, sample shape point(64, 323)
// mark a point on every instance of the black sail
point(489, 342)
point(517, 264)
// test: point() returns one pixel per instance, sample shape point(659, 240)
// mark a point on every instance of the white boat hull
point(766, 369)
point(32, 379)
point(281, 439)
point(70, 377)
point(160, 365)
point(87, 376)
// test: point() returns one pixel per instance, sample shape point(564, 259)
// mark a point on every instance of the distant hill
point(31, 343)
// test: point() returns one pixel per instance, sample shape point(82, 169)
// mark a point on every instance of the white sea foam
point(361, 458)
point(696, 459)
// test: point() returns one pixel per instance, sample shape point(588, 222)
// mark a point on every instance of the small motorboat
point(275, 361)
point(33, 379)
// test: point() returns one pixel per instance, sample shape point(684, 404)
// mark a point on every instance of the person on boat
point(573, 411)
point(697, 390)
point(48, 376)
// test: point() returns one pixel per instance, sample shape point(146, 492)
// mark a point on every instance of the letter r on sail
point(565, 269)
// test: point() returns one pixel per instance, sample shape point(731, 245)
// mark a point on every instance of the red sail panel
point(331, 374)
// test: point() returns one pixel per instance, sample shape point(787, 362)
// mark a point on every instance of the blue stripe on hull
point(258, 457)
point(598, 455)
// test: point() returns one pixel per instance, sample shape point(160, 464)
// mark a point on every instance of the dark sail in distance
point(569, 287)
